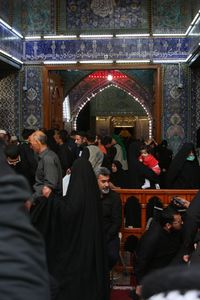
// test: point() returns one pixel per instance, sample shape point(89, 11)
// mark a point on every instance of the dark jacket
point(23, 270)
point(157, 248)
point(112, 214)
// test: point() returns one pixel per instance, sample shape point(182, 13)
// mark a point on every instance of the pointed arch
point(92, 93)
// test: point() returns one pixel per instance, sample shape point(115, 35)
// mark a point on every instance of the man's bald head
point(38, 141)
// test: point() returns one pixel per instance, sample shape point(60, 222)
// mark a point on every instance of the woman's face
point(114, 168)
point(191, 153)
point(191, 156)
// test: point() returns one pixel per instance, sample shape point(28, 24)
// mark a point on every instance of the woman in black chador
point(73, 231)
point(118, 176)
point(184, 170)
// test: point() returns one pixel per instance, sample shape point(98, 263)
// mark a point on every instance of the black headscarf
point(119, 177)
point(80, 266)
point(184, 174)
point(23, 270)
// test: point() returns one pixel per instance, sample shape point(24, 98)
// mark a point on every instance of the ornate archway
point(89, 85)
point(92, 93)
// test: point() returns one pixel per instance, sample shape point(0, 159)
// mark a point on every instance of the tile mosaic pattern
point(176, 20)
point(8, 113)
point(17, 16)
point(38, 17)
point(5, 10)
point(106, 14)
point(195, 100)
point(10, 42)
point(137, 48)
point(176, 111)
point(32, 113)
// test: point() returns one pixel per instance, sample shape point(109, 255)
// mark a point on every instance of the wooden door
point(53, 102)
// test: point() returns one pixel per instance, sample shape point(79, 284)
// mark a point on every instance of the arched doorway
point(112, 107)
point(89, 87)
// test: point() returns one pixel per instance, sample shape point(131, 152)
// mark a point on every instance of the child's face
point(114, 168)
point(144, 152)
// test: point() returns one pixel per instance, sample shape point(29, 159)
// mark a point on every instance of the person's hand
point(186, 258)
point(138, 290)
point(28, 204)
point(186, 203)
point(68, 171)
point(46, 191)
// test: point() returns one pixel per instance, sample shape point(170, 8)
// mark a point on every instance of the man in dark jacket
point(159, 245)
point(112, 215)
point(48, 177)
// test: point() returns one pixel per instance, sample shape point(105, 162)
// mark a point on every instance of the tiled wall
point(9, 110)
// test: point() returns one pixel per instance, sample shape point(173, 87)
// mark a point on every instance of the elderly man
point(112, 215)
point(48, 177)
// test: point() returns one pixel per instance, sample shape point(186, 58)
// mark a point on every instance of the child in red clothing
point(151, 162)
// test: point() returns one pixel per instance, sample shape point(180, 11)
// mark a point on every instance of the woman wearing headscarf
point(120, 154)
point(74, 237)
point(184, 170)
point(81, 268)
point(118, 176)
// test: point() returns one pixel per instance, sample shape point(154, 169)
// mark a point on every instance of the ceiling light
point(121, 35)
point(95, 36)
point(10, 56)
point(17, 60)
point(60, 36)
point(110, 77)
point(194, 34)
point(195, 18)
point(169, 61)
point(17, 33)
point(188, 30)
point(5, 53)
point(5, 24)
point(169, 34)
point(59, 62)
point(96, 61)
point(33, 37)
point(132, 61)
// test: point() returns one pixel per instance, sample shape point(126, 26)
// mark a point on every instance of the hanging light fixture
point(110, 77)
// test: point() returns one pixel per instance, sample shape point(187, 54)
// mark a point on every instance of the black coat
point(23, 270)
point(157, 249)
point(191, 224)
point(66, 157)
point(112, 215)
point(183, 174)
point(74, 235)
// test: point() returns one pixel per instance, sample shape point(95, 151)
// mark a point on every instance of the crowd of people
point(79, 243)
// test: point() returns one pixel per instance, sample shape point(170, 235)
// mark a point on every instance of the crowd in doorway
point(133, 163)
point(79, 241)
